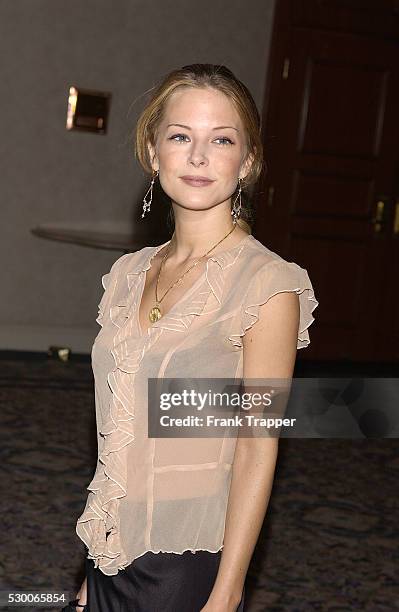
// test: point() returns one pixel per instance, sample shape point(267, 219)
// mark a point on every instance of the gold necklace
point(155, 312)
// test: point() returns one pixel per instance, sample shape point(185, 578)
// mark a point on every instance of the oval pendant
point(155, 314)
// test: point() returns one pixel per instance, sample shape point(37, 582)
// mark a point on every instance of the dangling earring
point(236, 210)
point(147, 205)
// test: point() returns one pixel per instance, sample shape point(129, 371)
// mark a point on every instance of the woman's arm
point(269, 352)
point(81, 595)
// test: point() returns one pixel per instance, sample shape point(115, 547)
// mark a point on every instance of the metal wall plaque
point(88, 110)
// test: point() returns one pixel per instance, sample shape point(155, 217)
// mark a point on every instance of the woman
point(170, 524)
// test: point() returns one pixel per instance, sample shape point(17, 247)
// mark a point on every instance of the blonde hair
point(201, 76)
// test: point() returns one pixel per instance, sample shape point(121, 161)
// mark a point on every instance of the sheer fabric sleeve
point(272, 278)
point(108, 282)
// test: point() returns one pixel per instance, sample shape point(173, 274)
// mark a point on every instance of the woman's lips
point(196, 181)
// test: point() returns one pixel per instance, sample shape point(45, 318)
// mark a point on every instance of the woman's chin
point(195, 204)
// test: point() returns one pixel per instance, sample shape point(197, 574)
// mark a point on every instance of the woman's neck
point(193, 242)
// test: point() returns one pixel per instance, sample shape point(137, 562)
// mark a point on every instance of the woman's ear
point(153, 157)
point(246, 165)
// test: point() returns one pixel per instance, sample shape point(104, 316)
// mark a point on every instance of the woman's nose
point(197, 156)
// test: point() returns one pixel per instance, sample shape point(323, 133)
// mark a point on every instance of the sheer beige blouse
point(170, 495)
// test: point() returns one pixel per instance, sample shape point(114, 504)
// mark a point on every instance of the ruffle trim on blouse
point(277, 277)
point(108, 282)
point(101, 306)
point(99, 527)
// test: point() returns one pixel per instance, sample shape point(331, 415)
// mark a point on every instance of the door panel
point(327, 201)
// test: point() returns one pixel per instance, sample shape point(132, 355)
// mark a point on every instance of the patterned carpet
point(330, 537)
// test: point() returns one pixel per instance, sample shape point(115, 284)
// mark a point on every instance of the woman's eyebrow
point(219, 127)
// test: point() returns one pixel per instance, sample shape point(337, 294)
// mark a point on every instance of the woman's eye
point(226, 140)
point(177, 137)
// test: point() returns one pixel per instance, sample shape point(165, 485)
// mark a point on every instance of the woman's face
point(200, 135)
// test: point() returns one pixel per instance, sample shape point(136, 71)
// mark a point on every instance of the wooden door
point(330, 197)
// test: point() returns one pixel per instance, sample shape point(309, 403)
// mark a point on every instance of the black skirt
point(156, 582)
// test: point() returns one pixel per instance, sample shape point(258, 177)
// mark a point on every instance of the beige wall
point(50, 290)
